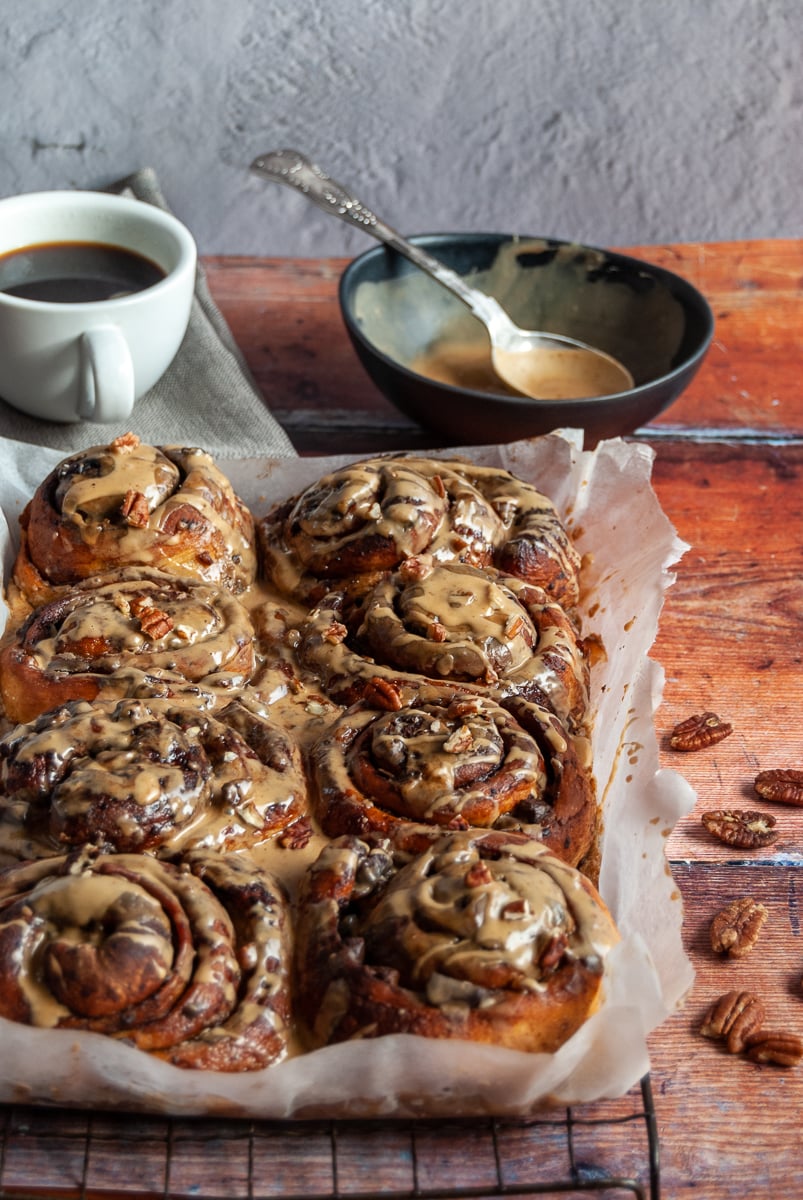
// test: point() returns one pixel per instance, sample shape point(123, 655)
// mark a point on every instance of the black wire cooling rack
point(610, 1147)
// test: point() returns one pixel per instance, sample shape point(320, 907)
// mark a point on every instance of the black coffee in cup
point(75, 272)
point(96, 292)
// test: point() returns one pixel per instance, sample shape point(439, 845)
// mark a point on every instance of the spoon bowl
point(532, 363)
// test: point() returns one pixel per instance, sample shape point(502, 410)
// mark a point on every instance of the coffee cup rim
point(110, 202)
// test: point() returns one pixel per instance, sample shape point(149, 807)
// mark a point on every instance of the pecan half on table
point(733, 1018)
point(743, 828)
point(774, 1046)
point(735, 928)
point(699, 731)
point(782, 785)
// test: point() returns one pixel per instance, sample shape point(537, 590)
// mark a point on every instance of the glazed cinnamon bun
point(484, 936)
point(369, 517)
point(187, 961)
point(409, 773)
point(449, 624)
point(129, 504)
point(127, 633)
point(135, 775)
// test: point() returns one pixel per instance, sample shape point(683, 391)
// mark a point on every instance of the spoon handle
point(296, 171)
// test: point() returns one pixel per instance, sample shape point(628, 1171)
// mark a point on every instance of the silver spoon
point(542, 366)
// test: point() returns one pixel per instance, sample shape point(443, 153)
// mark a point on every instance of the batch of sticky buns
point(273, 780)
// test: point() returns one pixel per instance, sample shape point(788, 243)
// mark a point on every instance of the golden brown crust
point(189, 961)
point(129, 504)
point(484, 936)
point(124, 633)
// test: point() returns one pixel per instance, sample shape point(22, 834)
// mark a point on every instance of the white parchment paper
point(606, 498)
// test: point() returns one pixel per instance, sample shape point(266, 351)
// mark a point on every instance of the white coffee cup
point(91, 360)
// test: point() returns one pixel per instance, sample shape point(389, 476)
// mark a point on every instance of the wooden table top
point(728, 466)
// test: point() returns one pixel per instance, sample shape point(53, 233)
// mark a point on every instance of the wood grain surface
point(285, 317)
point(728, 468)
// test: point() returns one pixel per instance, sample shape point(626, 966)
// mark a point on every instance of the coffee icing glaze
point(168, 478)
point(190, 964)
point(132, 504)
point(422, 751)
point(372, 515)
point(93, 497)
point(482, 936)
point(449, 763)
point(453, 924)
point(104, 635)
point(465, 762)
point(450, 624)
point(135, 775)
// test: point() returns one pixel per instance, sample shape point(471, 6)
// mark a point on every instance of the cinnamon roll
point(484, 936)
point(129, 504)
point(407, 774)
point(135, 775)
point(453, 624)
point(126, 633)
point(187, 961)
point(369, 517)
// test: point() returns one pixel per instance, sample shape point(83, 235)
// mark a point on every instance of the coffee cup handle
point(106, 380)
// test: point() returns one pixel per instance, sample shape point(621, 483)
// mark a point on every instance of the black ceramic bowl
point(653, 321)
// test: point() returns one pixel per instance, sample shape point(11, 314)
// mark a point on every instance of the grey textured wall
point(610, 121)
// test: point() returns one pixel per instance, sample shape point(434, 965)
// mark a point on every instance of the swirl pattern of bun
point(187, 962)
point(369, 517)
point(407, 774)
point(123, 634)
point(132, 775)
point(450, 624)
point(484, 936)
point(129, 504)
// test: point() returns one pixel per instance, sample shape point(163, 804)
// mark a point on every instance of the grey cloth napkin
point(207, 397)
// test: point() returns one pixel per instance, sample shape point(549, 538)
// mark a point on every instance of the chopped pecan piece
point(152, 621)
point(774, 1046)
point(459, 742)
point(415, 568)
point(514, 626)
point(335, 633)
point(296, 836)
point(124, 443)
point(739, 827)
point(439, 486)
point(134, 509)
point(436, 632)
point(555, 949)
point(784, 786)
point(477, 875)
point(735, 929)
point(457, 822)
point(699, 731)
point(122, 603)
point(733, 1017)
point(381, 693)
